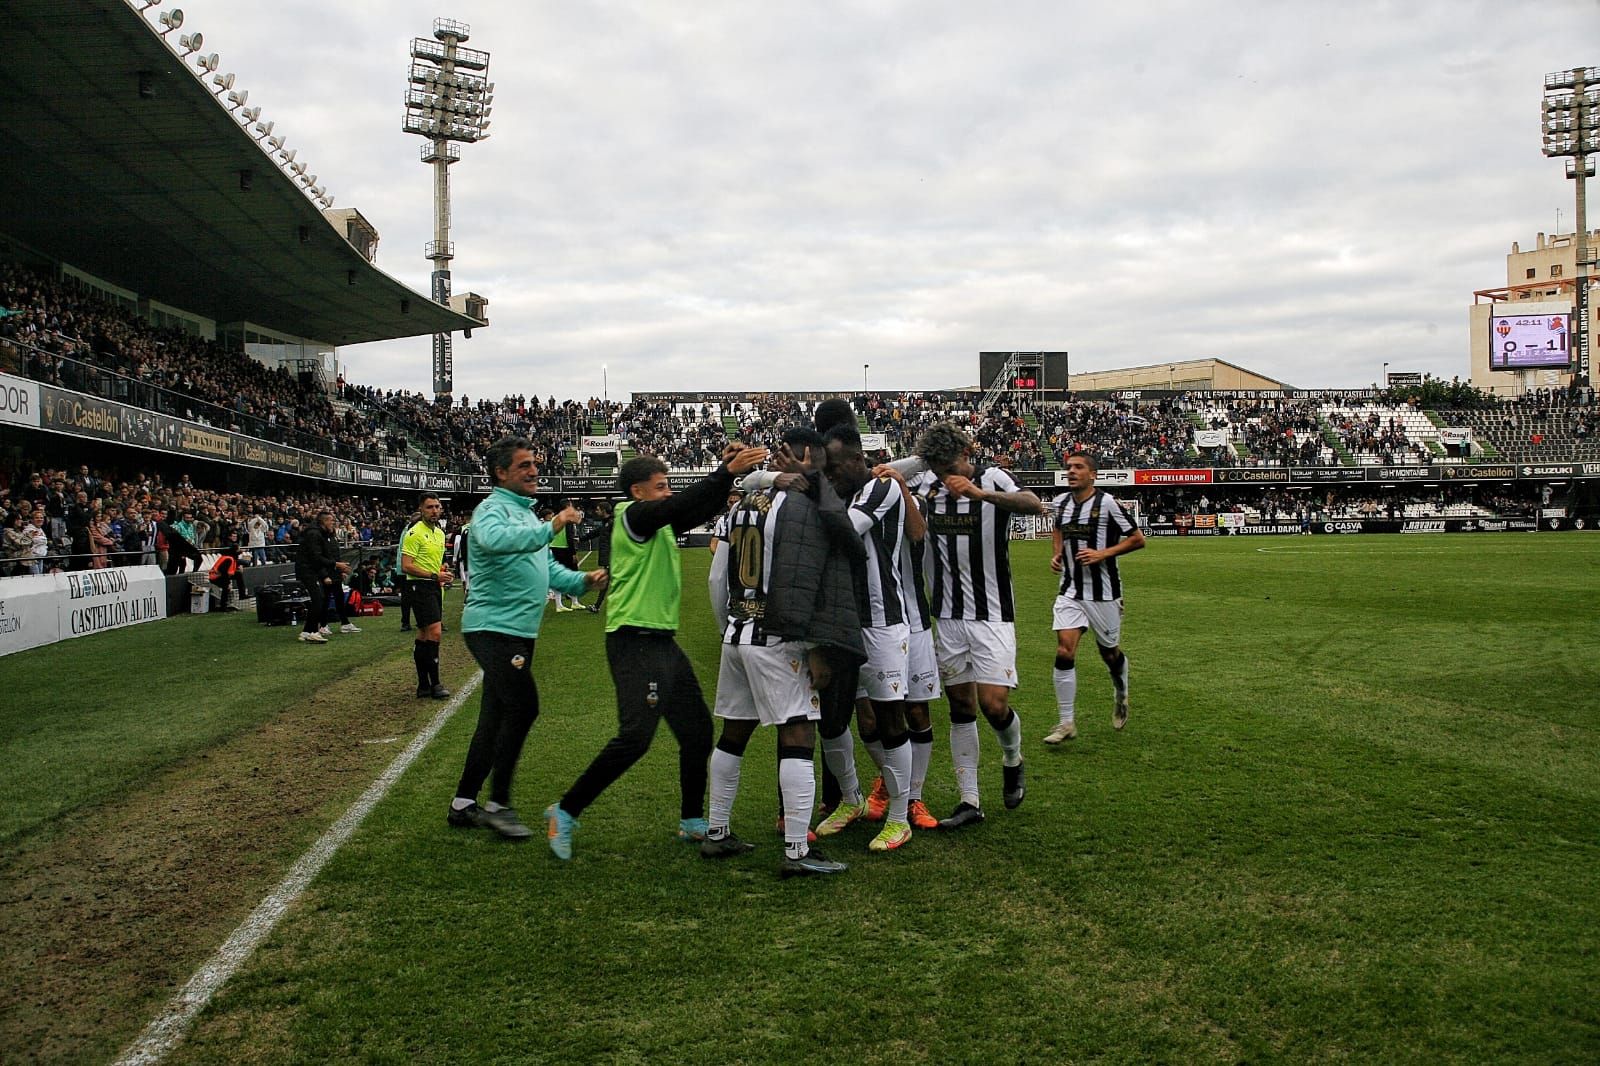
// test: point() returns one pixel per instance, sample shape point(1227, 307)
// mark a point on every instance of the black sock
point(419, 656)
point(433, 662)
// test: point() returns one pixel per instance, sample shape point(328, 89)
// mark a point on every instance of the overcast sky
point(717, 195)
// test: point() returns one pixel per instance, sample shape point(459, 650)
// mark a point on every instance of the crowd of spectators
point(57, 520)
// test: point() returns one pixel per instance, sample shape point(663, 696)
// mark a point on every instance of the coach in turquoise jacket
point(512, 572)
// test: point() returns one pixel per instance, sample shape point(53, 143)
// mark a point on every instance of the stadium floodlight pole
point(1570, 113)
point(448, 99)
point(605, 389)
point(864, 368)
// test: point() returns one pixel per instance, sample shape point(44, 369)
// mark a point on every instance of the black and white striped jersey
point(747, 555)
point(912, 586)
point(1096, 522)
point(968, 549)
point(878, 513)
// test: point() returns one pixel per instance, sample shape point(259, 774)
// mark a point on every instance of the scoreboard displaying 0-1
point(1529, 342)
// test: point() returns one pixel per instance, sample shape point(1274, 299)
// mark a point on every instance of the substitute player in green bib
point(653, 677)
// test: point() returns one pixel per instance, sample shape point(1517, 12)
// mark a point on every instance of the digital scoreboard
point(1530, 342)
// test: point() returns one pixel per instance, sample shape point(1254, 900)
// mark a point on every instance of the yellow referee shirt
point(425, 546)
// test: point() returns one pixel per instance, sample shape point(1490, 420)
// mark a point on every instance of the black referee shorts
point(427, 602)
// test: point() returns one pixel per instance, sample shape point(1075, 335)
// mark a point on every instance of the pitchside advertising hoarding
point(76, 414)
point(1529, 342)
point(43, 609)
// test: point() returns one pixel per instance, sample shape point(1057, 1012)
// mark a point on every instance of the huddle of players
point(829, 585)
point(912, 541)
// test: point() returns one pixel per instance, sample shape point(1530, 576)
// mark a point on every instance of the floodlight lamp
point(190, 43)
point(146, 5)
point(223, 83)
point(317, 191)
point(171, 20)
point(264, 129)
point(238, 99)
point(288, 157)
point(208, 63)
point(249, 115)
point(307, 179)
point(276, 143)
point(327, 201)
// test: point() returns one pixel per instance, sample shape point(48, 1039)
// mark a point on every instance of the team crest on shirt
point(653, 697)
point(930, 688)
point(794, 665)
point(903, 647)
point(815, 703)
point(518, 662)
point(894, 686)
point(1008, 673)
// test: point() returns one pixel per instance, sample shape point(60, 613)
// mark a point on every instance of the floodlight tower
point(1571, 114)
point(448, 99)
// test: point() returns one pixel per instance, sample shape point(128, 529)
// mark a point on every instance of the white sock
point(724, 787)
point(492, 806)
point(1010, 736)
point(964, 753)
point(1066, 693)
point(921, 752)
point(840, 754)
point(897, 779)
point(1119, 678)
point(875, 749)
point(461, 803)
point(797, 780)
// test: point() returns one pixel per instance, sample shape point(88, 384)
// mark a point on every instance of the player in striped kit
point(878, 509)
point(922, 683)
point(969, 588)
point(1091, 531)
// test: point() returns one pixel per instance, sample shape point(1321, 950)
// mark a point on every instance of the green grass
point(89, 718)
point(1352, 818)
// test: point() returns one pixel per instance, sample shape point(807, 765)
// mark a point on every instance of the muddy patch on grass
point(104, 916)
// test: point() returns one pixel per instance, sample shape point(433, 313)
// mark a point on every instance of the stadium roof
point(146, 192)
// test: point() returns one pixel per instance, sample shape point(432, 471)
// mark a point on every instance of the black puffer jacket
point(816, 600)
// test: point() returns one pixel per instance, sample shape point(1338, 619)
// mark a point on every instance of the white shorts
point(883, 675)
point(1103, 618)
point(985, 652)
point(922, 669)
point(771, 685)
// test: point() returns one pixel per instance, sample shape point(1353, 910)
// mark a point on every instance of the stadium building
point(1540, 294)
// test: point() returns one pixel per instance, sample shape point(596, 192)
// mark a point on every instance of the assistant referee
point(422, 560)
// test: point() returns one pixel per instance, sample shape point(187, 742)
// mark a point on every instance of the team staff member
point(1091, 530)
point(653, 677)
point(422, 560)
point(512, 571)
point(318, 567)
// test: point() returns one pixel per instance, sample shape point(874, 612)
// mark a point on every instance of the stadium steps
point(1242, 450)
point(730, 426)
point(1490, 452)
point(862, 426)
point(1051, 460)
point(1333, 441)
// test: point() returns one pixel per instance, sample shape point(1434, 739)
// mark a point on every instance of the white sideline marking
point(169, 1028)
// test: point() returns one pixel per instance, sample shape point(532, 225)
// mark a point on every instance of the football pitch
point(1355, 816)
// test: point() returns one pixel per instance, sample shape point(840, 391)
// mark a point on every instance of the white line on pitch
point(164, 1033)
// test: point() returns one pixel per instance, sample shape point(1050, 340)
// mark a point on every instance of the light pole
point(605, 390)
point(448, 98)
point(1383, 382)
point(864, 368)
point(1571, 123)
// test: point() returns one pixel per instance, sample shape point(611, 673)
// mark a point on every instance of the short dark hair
point(799, 438)
point(500, 453)
point(834, 412)
point(426, 496)
point(848, 436)
point(1086, 457)
point(639, 468)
